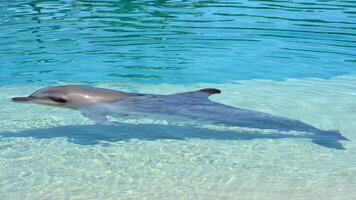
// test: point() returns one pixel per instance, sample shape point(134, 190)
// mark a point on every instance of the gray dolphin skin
point(98, 103)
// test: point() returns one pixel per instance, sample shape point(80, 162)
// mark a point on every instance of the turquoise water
point(289, 58)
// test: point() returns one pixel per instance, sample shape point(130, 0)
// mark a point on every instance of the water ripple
point(178, 42)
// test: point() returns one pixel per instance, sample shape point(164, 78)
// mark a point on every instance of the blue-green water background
point(176, 42)
point(290, 58)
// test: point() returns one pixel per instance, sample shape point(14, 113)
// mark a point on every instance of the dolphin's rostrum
point(98, 103)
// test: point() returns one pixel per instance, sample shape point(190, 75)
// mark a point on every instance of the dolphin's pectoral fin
point(330, 143)
point(98, 118)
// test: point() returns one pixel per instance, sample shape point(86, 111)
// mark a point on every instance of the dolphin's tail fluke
point(330, 139)
point(334, 144)
point(335, 134)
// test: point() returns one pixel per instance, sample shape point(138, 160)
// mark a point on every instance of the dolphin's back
point(196, 105)
point(199, 107)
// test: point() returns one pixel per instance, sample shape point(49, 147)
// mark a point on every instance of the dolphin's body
point(98, 103)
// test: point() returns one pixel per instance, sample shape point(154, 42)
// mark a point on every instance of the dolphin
point(98, 103)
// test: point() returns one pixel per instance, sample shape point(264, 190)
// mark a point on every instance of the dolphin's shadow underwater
point(93, 134)
point(99, 103)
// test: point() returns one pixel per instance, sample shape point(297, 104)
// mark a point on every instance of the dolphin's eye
point(58, 99)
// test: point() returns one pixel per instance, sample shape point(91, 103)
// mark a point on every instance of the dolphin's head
point(71, 96)
point(53, 96)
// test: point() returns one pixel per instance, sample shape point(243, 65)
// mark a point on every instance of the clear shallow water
point(295, 59)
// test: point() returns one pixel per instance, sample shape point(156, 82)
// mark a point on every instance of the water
point(290, 58)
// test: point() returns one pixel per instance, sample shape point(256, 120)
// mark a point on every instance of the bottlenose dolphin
point(98, 103)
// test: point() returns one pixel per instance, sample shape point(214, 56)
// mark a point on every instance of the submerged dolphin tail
point(330, 139)
point(335, 134)
point(334, 144)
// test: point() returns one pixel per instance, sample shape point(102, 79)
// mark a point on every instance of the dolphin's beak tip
point(21, 99)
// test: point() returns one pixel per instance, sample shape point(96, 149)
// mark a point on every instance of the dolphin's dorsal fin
point(203, 93)
point(210, 91)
